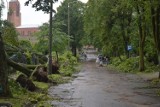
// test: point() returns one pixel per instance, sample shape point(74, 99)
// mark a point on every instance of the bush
point(129, 65)
point(67, 63)
point(56, 78)
point(132, 64)
point(115, 61)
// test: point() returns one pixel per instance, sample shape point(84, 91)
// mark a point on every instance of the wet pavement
point(96, 86)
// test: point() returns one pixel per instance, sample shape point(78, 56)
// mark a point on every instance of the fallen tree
point(25, 82)
point(19, 67)
point(36, 71)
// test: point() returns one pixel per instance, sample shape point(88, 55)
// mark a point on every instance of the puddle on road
point(63, 95)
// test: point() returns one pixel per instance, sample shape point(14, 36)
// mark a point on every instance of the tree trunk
point(155, 27)
point(158, 35)
point(74, 52)
point(141, 56)
point(57, 57)
point(142, 35)
point(31, 66)
point(125, 40)
point(19, 67)
point(26, 82)
point(74, 47)
point(4, 87)
point(159, 62)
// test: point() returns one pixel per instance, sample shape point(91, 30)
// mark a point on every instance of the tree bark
point(19, 67)
point(155, 27)
point(159, 62)
point(125, 40)
point(4, 86)
point(57, 57)
point(142, 35)
point(158, 35)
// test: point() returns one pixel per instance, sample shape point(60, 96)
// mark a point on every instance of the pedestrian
point(97, 60)
point(101, 63)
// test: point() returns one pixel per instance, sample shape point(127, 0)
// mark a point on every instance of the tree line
point(113, 25)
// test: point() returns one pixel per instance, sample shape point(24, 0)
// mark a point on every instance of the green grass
point(41, 85)
point(22, 96)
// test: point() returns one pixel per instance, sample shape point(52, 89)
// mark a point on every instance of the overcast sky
point(30, 16)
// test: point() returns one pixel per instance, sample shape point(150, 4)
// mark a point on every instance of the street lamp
point(69, 18)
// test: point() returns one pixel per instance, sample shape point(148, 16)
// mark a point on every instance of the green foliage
point(115, 61)
point(41, 85)
point(9, 33)
point(112, 25)
point(25, 44)
point(56, 78)
point(60, 39)
point(126, 65)
point(131, 64)
point(156, 83)
point(41, 46)
point(43, 5)
point(67, 62)
point(109, 32)
point(21, 96)
point(16, 89)
point(76, 10)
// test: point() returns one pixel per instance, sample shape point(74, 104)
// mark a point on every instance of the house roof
point(13, 0)
point(28, 26)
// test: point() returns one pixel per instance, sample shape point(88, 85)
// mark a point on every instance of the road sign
point(129, 47)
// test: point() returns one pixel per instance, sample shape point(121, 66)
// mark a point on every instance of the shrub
point(132, 64)
point(129, 65)
point(67, 63)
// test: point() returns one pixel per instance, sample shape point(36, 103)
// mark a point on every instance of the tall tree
point(155, 16)
point(142, 33)
point(4, 87)
point(46, 6)
point(109, 24)
point(75, 13)
point(60, 39)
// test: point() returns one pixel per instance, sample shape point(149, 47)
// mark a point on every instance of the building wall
point(14, 15)
point(26, 31)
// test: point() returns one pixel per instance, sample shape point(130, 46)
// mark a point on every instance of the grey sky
point(30, 16)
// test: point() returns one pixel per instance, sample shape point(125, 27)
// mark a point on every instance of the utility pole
point(69, 19)
point(50, 38)
point(68, 25)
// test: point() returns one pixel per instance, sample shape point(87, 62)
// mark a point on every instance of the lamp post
point(69, 18)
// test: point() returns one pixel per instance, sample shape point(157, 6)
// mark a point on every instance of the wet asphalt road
point(97, 86)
